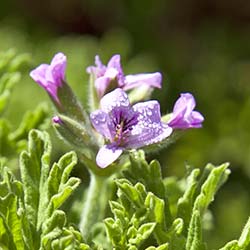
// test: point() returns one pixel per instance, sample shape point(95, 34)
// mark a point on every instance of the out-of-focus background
point(202, 47)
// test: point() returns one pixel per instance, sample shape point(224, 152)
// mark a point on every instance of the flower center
point(124, 120)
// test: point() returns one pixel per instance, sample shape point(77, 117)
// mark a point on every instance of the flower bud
point(73, 132)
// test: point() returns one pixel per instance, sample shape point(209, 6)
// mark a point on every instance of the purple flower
point(125, 126)
point(105, 75)
point(183, 116)
point(51, 76)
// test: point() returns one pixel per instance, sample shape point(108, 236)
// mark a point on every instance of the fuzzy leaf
point(185, 203)
point(58, 219)
point(19, 61)
point(34, 166)
point(29, 218)
point(145, 230)
point(38, 179)
point(6, 240)
point(4, 98)
point(161, 247)
point(60, 186)
point(244, 240)
point(10, 64)
point(65, 238)
point(194, 238)
point(12, 222)
point(138, 236)
point(13, 214)
point(144, 213)
point(119, 212)
point(232, 245)
point(114, 230)
point(131, 192)
point(156, 208)
point(5, 145)
point(9, 184)
point(218, 175)
point(31, 120)
point(150, 176)
point(174, 236)
point(6, 58)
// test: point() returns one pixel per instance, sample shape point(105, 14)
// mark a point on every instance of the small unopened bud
point(73, 132)
point(57, 120)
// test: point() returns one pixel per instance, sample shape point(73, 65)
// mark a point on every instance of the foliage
point(12, 140)
point(142, 212)
point(149, 212)
point(144, 217)
point(30, 214)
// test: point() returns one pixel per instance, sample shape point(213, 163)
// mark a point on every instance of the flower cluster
point(118, 125)
point(112, 74)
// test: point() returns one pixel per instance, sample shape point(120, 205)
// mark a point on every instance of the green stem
point(95, 204)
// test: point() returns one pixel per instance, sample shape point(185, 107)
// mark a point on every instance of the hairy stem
point(95, 204)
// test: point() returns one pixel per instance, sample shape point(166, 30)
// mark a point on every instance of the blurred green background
point(201, 47)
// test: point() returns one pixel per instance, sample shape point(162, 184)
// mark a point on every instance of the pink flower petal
point(149, 129)
point(151, 80)
point(107, 155)
point(116, 98)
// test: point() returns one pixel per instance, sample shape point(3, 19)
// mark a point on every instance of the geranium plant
point(128, 204)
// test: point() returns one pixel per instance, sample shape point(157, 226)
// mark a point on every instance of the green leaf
point(63, 238)
point(161, 247)
point(45, 189)
point(194, 237)
point(58, 219)
point(10, 64)
point(4, 98)
point(60, 186)
point(174, 235)
point(19, 61)
point(119, 212)
point(29, 215)
point(156, 209)
point(145, 230)
point(34, 167)
point(31, 120)
point(150, 176)
point(232, 245)
point(137, 236)
point(131, 192)
point(138, 215)
point(185, 203)
point(13, 212)
point(6, 147)
point(6, 240)
point(11, 221)
point(215, 179)
point(244, 240)
point(9, 184)
point(115, 232)
point(5, 59)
